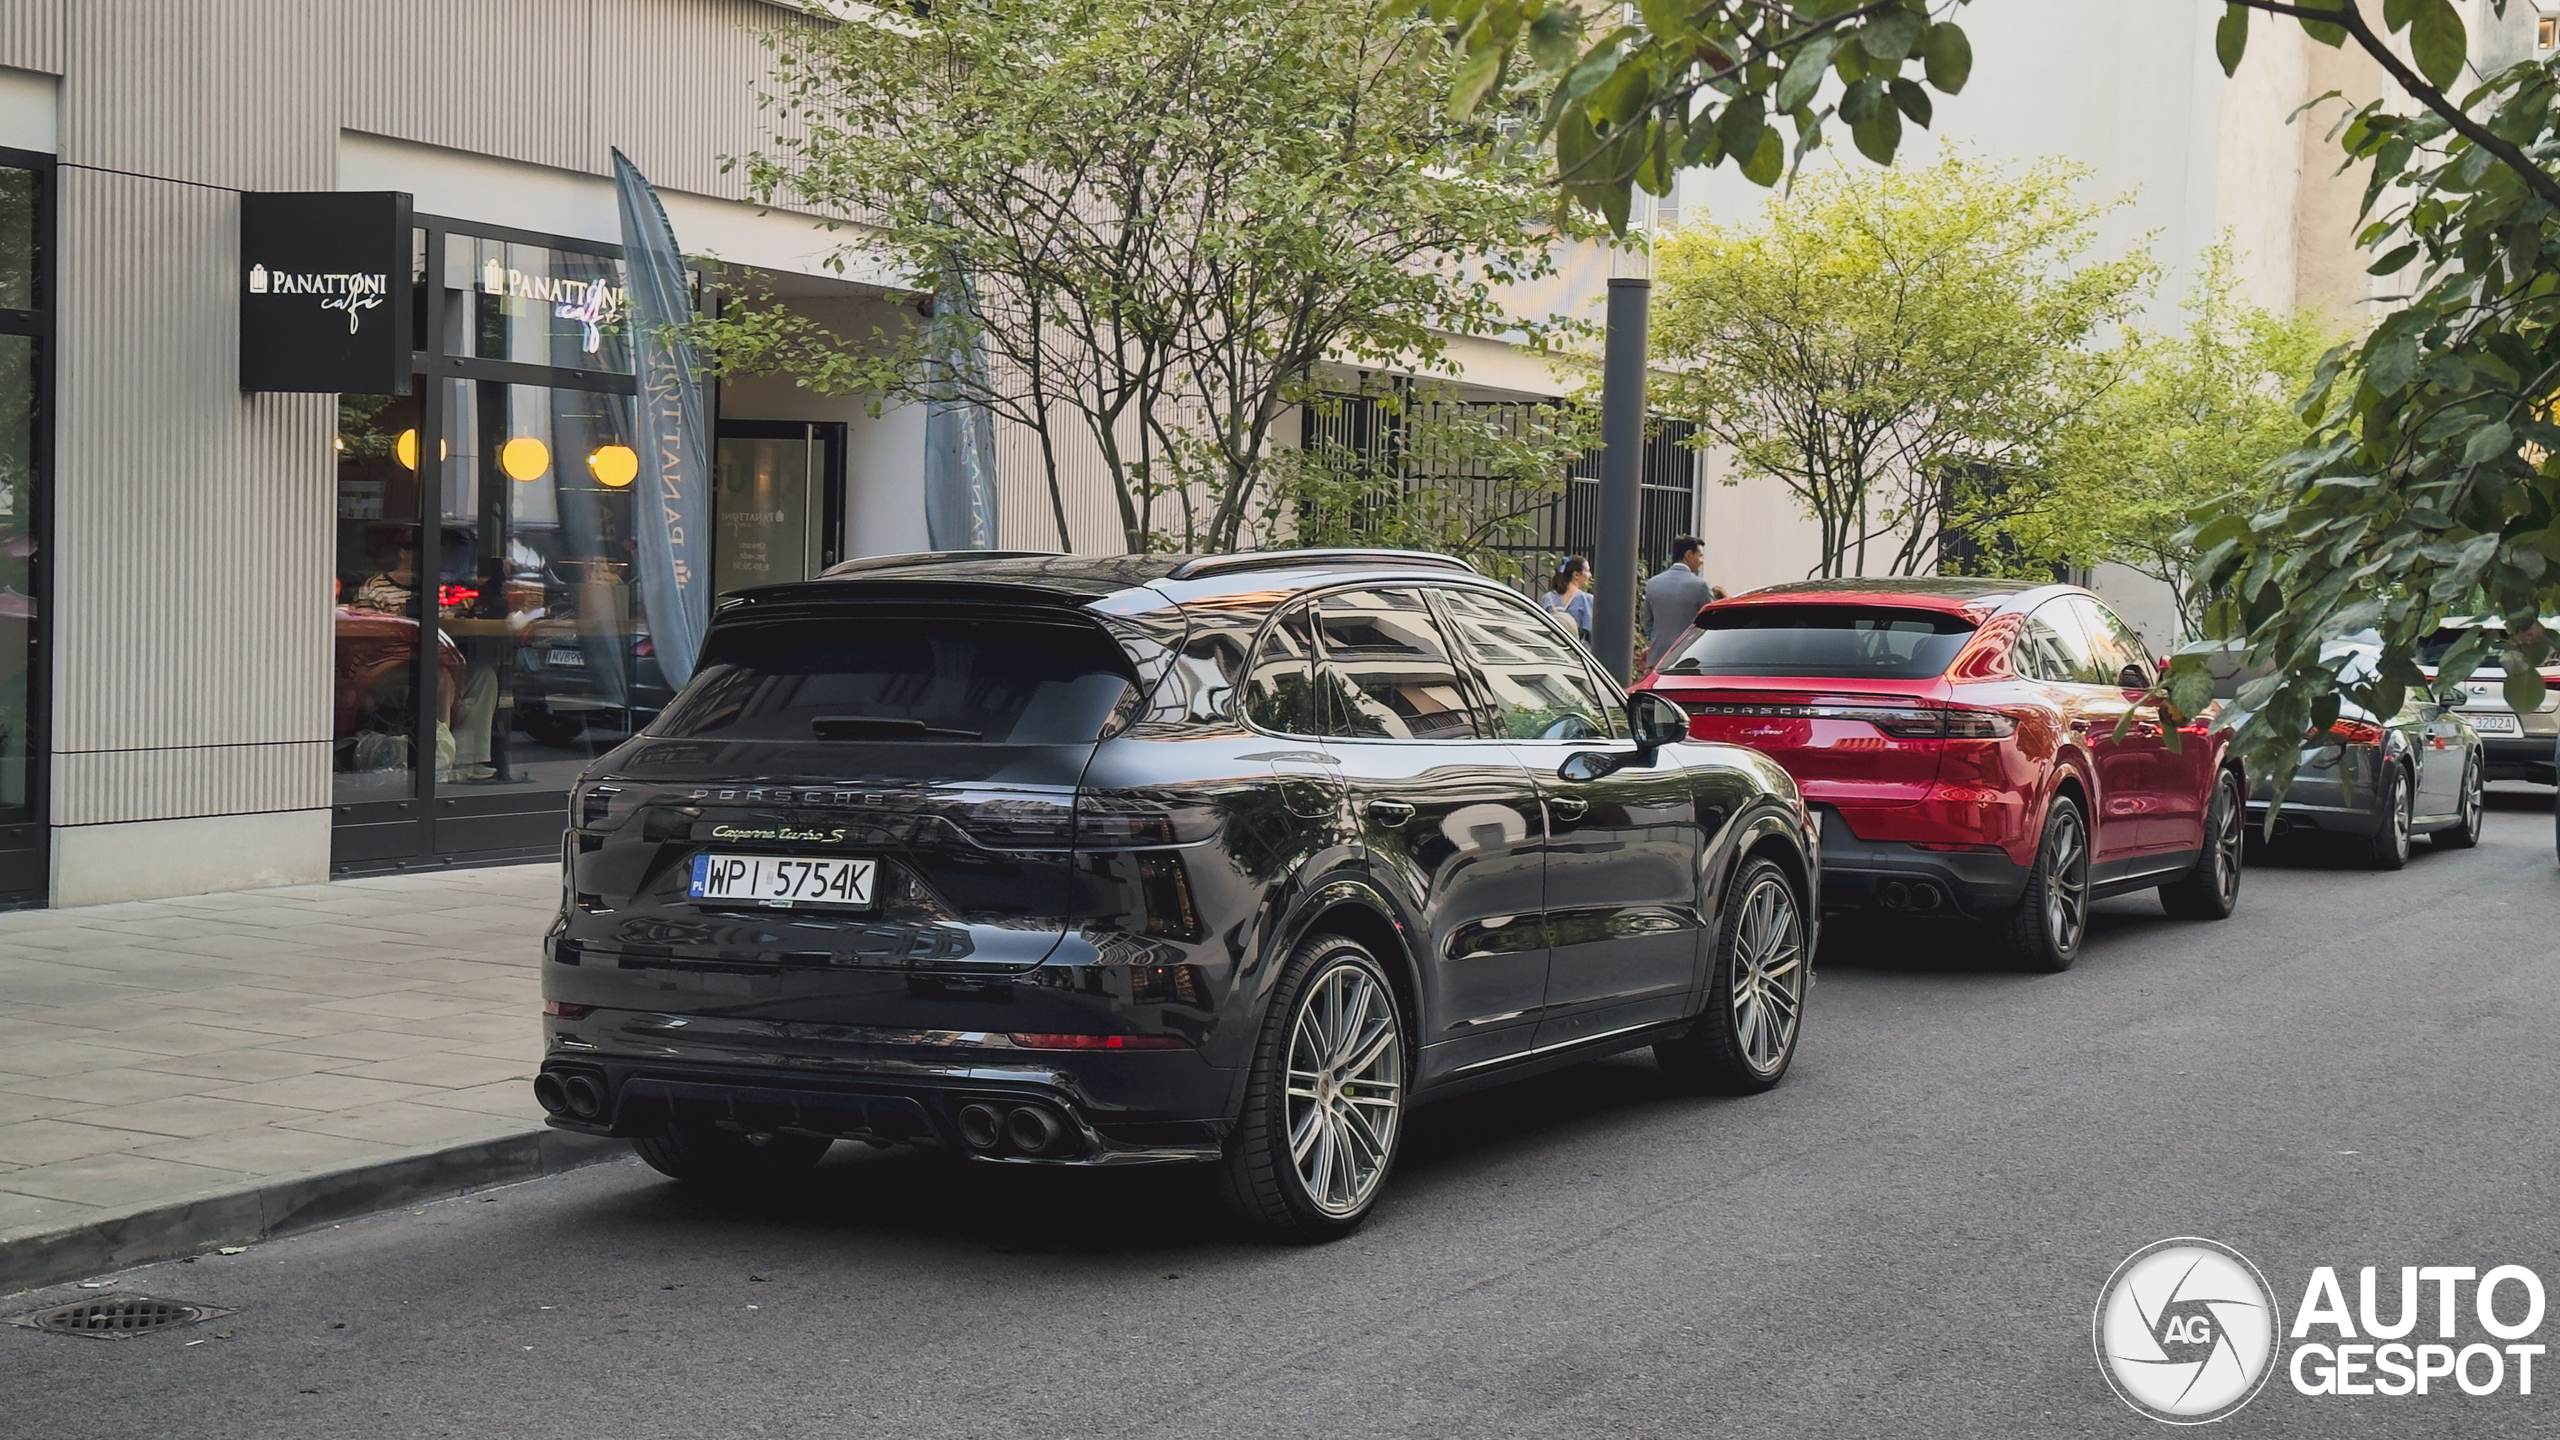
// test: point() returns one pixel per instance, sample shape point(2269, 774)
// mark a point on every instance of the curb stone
point(36, 1257)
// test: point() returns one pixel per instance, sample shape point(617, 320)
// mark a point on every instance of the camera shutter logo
point(2186, 1331)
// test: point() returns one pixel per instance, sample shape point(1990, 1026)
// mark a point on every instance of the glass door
point(26, 327)
point(491, 641)
point(778, 502)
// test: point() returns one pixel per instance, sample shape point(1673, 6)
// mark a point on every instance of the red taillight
point(1912, 722)
point(1099, 1042)
point(567, 1011)
point(449, 596)
point(2349, 732)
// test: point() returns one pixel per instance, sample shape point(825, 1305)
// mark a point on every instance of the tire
point(1745, 1037)
point(2211, 890)
point(2466, 834)
point(1309, 1158)
point(706, 1156)
point(2388, 847)
point(2051, 922)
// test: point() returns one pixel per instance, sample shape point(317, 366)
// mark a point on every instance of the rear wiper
point(846, 727)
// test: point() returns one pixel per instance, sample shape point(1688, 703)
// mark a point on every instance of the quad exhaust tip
point(1915, 895)
point(1032, 1130)
point(980, 1127)
point(547, 1093)
point(585, 1094)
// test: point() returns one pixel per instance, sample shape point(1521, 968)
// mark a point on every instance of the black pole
point(1621, 476)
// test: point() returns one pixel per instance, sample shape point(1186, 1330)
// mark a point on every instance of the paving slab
point(180, 1074)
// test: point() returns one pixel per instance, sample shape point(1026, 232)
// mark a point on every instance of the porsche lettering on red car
point(1978, 749)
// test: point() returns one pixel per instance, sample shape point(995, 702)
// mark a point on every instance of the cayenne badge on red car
point(1976, 748)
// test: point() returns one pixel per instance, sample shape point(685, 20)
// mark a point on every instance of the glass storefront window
point(19, 203)
point(536, 592)
point(375, 720)
point(768, 515)
point(535, 305)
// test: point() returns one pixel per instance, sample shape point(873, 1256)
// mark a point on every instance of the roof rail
point(1284, 559)
point(861, 563)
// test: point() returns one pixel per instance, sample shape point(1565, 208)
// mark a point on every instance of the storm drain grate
point(117, 1317)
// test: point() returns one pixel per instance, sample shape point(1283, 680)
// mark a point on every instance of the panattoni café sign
point(325, 291)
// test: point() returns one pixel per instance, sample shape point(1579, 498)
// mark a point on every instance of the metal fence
point(1381, 434)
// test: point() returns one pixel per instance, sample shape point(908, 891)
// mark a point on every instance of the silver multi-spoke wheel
point(2066, 893)
point(1768, 974)
point(1345, 1088)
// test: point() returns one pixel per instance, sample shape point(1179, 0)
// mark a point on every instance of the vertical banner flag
point(959, 433)
point(671, 502)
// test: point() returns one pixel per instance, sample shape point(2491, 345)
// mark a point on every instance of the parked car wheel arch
point(1351, 908)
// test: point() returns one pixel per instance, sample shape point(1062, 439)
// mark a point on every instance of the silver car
point(2517, 747)
point(2379, 782)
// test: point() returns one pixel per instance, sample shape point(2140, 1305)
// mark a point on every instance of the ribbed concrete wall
point(216, 92)
point(31, 35)
point(192, 524)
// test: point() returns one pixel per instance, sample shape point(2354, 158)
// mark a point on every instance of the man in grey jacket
point(1672, 598)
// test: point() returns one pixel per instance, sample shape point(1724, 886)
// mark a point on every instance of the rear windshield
point(872, 678)
point(2431, 650)
point(1843, 640)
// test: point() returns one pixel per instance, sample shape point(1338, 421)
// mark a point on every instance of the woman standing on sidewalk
point(1569, 590)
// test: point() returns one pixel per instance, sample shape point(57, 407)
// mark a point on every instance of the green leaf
point(2393, 262)
point(2488, 443)
point(1768, 159)
point(1804, 71)
point(1859, 102)
point(2231, 38)
point(1946, 56)
point(2437, 42)
point(2392, 364)
point(1555, 38)
point(1911, 100)
point(2327, 32)
point(1880, 135)
point(1474, 78)
point(2398, 13)
point(1704, 146)
point(2524, 688)
point(1891, 34)
point(1741, 126)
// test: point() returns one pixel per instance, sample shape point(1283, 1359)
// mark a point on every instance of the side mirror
point(1654, 721)
point(2132, 678)
point(2451, 697)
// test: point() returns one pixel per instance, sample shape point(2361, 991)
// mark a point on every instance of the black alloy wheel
point(2045, 932)
point(2388, 848)
point(2466, 834)
point(1324, 1101)
point(1743, 1041)
point(2211, 890)
point(704, 1155)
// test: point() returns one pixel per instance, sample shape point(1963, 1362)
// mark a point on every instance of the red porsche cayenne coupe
point(1960, 739)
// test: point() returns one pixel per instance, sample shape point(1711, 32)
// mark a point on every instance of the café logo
point(354, 292)
point(594, 304)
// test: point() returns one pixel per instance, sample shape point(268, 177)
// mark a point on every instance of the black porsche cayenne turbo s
point(1229, 860)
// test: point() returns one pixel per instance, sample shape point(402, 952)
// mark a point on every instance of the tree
point(1171, 213)
point(1896, 346)
point(2196, 418)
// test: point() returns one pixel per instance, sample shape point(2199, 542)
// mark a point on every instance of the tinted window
point(2112, 643)
point(1535, 684)
point(869, 678)
point(1280, 688)
point(2431, 651)
point(1395, 673)
point(2056, 644)
point(1845, 640)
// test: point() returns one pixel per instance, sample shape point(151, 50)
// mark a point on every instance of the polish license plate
point(565, 659)
point(783, 881)
point(2494, 724)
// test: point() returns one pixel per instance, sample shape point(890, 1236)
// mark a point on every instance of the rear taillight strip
point(1908, 723)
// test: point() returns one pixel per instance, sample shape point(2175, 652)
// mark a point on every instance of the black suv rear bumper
point(902, 1104)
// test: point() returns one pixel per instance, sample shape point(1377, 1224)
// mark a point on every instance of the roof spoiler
point(1287, 559)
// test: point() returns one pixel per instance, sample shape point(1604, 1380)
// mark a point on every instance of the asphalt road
point(1905, 1239)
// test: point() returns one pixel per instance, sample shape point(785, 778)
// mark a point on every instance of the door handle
point(1390, 813)
point(1569, 808)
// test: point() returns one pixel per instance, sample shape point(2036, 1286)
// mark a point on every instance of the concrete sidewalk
point(181, 1073)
